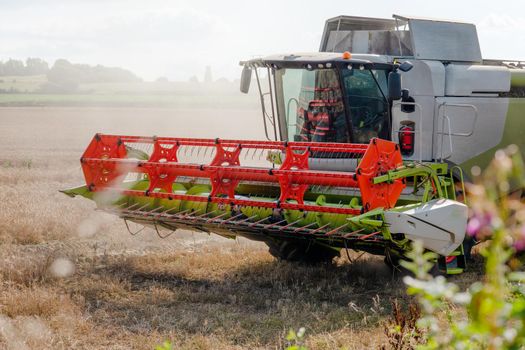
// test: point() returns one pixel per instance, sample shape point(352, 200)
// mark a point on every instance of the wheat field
point(73, 278)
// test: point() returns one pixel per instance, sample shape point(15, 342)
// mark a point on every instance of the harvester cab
point(421, 83)
point(367, 142)
point(327, 97)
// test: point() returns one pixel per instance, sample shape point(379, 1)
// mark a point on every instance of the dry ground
point(123, 292)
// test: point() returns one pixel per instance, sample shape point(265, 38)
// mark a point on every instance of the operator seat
point(324, 118)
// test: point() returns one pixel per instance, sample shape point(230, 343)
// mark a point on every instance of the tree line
point(64, 75)
point(32, 66)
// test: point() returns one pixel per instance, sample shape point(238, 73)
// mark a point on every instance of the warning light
point(347, 55)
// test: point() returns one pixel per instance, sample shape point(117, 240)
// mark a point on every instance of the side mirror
point(394, 86)
point(246, 79)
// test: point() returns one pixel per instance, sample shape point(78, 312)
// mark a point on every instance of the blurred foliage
point(165, 346)
point(494, 308)
point(401, 329)
point(296, 339)
point(32, 66)
point(66, 77)
point(62, 77)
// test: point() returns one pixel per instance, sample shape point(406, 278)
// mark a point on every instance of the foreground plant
point(296, 339)
point(495, 307)
point(165, 346)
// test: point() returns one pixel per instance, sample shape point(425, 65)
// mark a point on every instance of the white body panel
point(458, 113)
point(425, 81)
point(460, 99)
point(440, 224)
point(468, 126)
point(471, 80)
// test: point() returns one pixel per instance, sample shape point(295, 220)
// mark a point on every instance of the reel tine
point(336, 230)
point(121, 206)
point(369, 235)
point(167, 211)
point(319, 229)
point(305, 227)
point(129, 230)
point(232, 218)
point(208, 213)
point(259, 221)
point(353, 233)
point(290, 224)
point(202, 215)
point(274, 224)
point(217, 217)
point(158, 233)
point(140, 208)
point(181, 215)
point(154, 210)
point(163, 213)
point(192, 215)
point(132, 206)
point(184, 212)
point(247, 219)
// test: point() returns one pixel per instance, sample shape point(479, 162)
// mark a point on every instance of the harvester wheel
point(301, 251)
point(400, 271)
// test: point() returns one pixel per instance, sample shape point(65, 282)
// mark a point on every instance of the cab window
point(312, 103)
point(365, 92)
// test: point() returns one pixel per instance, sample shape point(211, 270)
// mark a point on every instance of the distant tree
point(102, 74)
point(208, 78)
point(36, 66)
point(162, 80)
point(68, 76)
point(33, 66)
point(13, 67)
point(64, 75)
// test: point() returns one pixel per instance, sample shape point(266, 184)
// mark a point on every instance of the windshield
point(365, 93)
point(313, 105)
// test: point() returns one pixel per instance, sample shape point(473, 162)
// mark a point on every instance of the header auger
point(220, 186)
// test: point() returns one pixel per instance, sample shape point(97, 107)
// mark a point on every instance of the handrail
point(293, 99)
point(446, 118)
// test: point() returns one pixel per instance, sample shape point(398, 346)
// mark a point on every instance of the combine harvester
point(363, 152)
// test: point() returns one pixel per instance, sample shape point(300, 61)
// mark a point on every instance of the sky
point(178, 39)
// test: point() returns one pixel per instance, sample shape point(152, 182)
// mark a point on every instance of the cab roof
point(317, 60)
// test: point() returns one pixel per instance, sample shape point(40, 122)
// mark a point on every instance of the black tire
point(399, 271)
point(468, 244)
point(301, 251)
